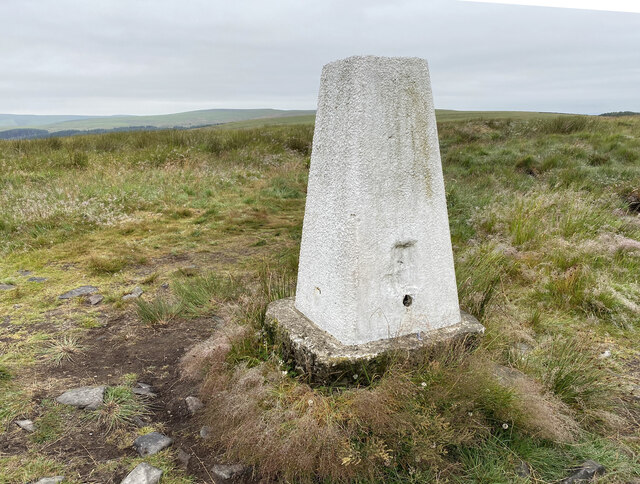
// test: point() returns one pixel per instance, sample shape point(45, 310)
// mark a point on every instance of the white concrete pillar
point(376, 259)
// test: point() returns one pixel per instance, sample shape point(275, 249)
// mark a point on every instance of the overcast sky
point(161, 56)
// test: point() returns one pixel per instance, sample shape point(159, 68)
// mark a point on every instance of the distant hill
point(21, 126)
point(620, 113)
point(186, 119)
point(33, 120)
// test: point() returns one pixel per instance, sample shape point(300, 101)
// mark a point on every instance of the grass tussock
point(158, 311)
point(567, 124)
point(106, 265)
point(410, 420)
point(63, 349)
point(199, 294)
point(5, 374)
point(193, 295)
point(121, 408)
point(570, 370)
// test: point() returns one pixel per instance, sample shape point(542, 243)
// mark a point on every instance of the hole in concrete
point(407, 300)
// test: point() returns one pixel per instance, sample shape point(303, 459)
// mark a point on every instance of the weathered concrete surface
point(324, 359)
point(375, 258)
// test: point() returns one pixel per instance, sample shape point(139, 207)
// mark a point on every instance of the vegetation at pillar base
point(545, 228)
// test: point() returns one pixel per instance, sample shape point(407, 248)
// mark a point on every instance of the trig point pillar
point(376, 265)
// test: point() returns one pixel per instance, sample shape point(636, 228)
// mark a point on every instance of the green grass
point(156, 311)
point(121, 408)
point(200, 294)
point(209, 221)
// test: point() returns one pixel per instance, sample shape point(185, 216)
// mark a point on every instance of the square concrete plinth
point(324, 359)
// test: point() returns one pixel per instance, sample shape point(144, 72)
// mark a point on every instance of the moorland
point(545, 225)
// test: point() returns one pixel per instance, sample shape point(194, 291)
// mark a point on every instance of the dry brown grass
point(409, 419)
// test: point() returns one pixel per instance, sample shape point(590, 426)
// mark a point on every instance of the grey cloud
point(147, 57)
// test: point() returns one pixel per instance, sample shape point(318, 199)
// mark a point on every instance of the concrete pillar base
point(325, 360)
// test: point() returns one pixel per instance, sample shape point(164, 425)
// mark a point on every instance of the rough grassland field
point(544, 216)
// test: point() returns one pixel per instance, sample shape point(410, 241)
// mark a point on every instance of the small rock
point(164, 285)
point(605, 354)
point(26, 425)
point(50, 480)
point(523, 469)
point(136, 293)
point(151, 443)
point(37, 279)
point(189, 271)
point(79, 291)
point(24, 272)
point(6, 287)
point(205, 432)
point(587, 471)
point(138, 421)
point(143, 389)
point(184, 458)
point(143, 474)
point(95, 299)
point(89, 398)
point(523, 349)
point(193, 404)
point(227, 472)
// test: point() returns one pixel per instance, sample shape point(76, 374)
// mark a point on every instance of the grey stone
point(587, 471)
point(95, 299)
point(143, 389)
point(523, 469)
point(136, 293)
point(89, 398)
point(193, 404)
point(37, 279)
point(205, 432)
point(184, 458)
point(523, 349)
point(6, 287)
point(138, 421)
point(24, 272)
point(151, 443)
point(79, 291)
point(324, 359)
point(227, 472)
point(143, 474)
point(26, 425)
point(50, 480)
